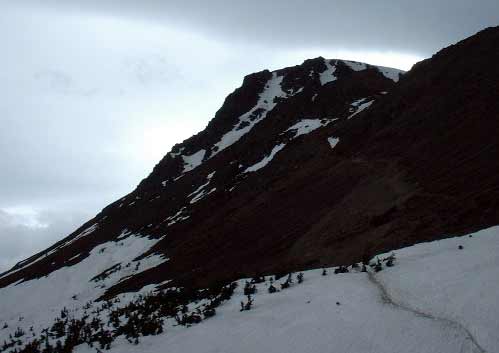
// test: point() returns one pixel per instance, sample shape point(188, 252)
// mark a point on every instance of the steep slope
point(190, 202)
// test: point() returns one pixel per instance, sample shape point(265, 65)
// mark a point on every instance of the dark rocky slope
point(419, 162)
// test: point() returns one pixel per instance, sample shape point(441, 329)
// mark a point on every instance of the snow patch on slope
point(359, 106)
point(355, 65)
point(84, 233)
point(302, 127)
point(248, 120)
point(306, 126)
point(202, 195)
point(193, 161)
point(292, 92)
point(200, 192)
point(266, 160)
point(333, 141)
point(177, 217)
point(328, 75)
point(392, 74)
point(178, 153)
point(388, 72)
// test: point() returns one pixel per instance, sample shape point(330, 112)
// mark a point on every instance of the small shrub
point(247, 306)
point(299, 277)
point(209, 312)
point(341, 269)
point(249, 288)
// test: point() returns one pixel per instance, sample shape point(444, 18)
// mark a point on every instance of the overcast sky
point(95, 92)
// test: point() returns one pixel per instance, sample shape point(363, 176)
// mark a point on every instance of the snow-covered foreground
point(437, 298)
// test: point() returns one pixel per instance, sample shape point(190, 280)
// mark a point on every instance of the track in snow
point(389, 300)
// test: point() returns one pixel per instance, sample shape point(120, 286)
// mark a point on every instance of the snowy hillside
point(437, 297)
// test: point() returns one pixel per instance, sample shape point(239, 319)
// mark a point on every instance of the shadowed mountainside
point(325, 163)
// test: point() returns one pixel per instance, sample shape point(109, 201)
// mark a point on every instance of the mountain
point(215, 183)
point(323, 164)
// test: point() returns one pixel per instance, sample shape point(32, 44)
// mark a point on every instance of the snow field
point(437, 298)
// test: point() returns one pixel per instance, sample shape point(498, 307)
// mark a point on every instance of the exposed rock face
point(324, 163)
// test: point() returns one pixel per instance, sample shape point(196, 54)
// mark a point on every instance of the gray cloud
point(26, 232)
point(58, 81)
point(153, 70)
point(402, 25)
